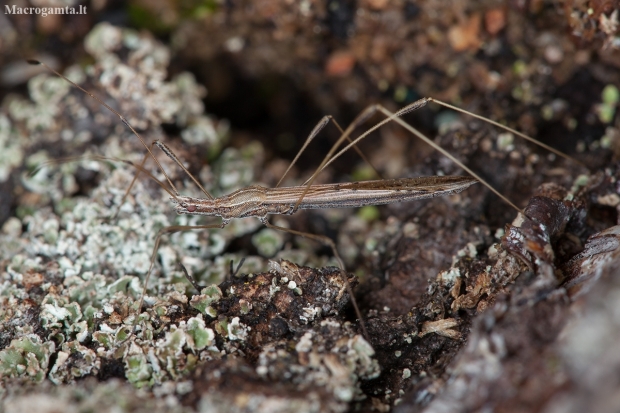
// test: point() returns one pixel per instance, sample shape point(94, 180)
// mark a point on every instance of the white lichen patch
point(237, 330)
point(84, 259)
point(612, 200)
point(244, 306)
point(449, 277)
point(469, 250)
point(11, 154)
point(442, 327)
point(310, 313)
point(304, 345)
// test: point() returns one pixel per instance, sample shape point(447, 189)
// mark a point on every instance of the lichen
point(26, 357)
point(72, 362)
point(208, 296)
point(330, 354)
point(268, 241)
point(11, 154)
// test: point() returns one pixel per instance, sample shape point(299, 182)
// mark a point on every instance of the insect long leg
point(191, 278)
point(396, 117)
point(361, 118)
point(511, 130)
point(165, 149)
point(232, 274)
point(167, 230)
point(315, 131)
point(327, 241)
point(358, 150)
point(446, 154)
point(330, 157)
point(135, 178)
point(234, 271)
point(121, 117)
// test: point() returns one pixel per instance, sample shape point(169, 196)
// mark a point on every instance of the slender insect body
point(259, 201)
point(365, 193)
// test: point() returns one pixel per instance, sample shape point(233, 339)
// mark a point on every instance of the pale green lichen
point(213, 293)
point(138, 370)
point(26, 357)
point(237, 330)
point(268, 241)
point(505, 141)
point(46, 92)
point(84, 363)
point(244, 307)
point(208, 296)
point(610, 98)
point(199, 337)
point(362, 353)
point(110, 338)
point(63, 318)
point(446, 121)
